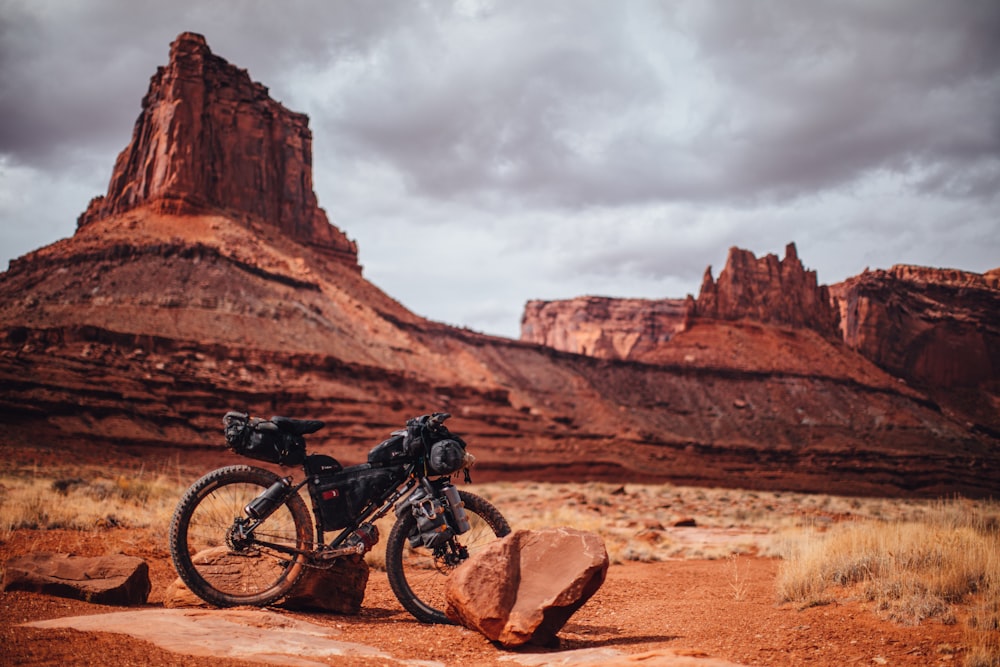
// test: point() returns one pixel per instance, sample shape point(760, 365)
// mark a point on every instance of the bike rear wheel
point(219, 565)
point(418, 575)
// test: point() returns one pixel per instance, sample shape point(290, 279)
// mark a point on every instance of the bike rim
point(245, 571)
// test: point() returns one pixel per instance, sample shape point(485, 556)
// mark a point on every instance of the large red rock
point(211, 139)
point(115, 579)
point(339, 588)
point(522, 589)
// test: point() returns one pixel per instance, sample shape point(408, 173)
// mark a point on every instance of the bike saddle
point(297, 426)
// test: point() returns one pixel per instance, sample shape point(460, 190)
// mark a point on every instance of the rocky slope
point(187, 291)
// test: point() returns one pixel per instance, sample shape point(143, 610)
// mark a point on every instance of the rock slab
point(247, 635)
point(522, 589)
point(339, 589)
point(114, 580)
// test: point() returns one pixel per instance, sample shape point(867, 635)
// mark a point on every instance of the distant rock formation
point(603, 327)
point(211, 140)
point(767, 290)
point(932, 327)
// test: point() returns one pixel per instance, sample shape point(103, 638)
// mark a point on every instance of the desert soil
point(722, 608)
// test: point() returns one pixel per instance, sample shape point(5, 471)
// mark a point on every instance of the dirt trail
point(724, 609)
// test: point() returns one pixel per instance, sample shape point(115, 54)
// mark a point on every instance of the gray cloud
point(556, 148)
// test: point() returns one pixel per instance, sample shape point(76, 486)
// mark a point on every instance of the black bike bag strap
point(297, 426)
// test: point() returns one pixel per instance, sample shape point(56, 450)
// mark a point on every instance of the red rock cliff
point(603, 327)
point(767, 290)
point(210, 139)
point(933, 327)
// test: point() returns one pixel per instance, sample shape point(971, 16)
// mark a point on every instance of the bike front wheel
point(418, 575)
point(219, 563)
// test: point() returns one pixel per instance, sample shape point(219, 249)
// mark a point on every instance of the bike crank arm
point(291, 551)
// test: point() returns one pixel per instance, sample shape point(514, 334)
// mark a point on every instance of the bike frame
point(373, 511)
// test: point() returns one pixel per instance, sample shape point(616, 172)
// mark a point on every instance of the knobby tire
point(211, 567)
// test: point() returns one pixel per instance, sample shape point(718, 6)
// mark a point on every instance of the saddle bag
point(261, 439)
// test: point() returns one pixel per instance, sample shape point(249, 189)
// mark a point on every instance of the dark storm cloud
point(72, 75)
point(796, 98)
point(830, 91)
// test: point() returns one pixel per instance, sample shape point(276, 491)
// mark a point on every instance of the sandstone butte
point(208, 278)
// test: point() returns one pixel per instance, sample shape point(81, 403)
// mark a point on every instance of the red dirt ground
point(724, 608)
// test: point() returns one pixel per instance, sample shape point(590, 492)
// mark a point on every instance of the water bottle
point(457, 510)
point(264, 504)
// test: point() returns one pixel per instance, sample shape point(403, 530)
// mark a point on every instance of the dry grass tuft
point(81, 503)
point(909, 570)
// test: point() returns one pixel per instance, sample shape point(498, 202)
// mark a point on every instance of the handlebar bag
point(446, 457)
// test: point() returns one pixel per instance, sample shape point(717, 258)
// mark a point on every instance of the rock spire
point(768, 290)
point(209, 139)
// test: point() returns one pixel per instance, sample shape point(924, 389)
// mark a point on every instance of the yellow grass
point(86, 501)
point(941, 566)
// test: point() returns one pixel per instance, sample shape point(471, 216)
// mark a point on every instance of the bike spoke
point(231, 563)
point(423, 573)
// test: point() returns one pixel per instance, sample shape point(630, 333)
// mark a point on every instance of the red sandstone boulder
point(339, 588)
point(522, 589)
point(115, 580)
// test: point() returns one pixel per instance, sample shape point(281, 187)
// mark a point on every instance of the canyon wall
point(934, 327)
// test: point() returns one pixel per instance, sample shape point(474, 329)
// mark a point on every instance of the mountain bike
point(242, 535)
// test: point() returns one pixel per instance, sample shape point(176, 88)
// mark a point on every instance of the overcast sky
point(486, 153)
